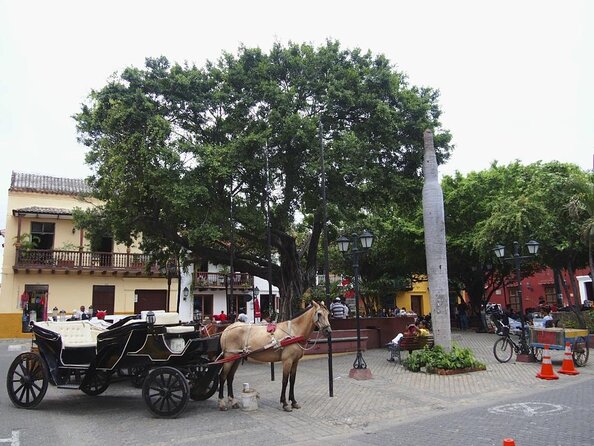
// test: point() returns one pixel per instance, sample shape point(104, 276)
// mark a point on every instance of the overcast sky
point(516, 77)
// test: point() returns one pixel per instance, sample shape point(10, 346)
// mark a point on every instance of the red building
point(542, 284)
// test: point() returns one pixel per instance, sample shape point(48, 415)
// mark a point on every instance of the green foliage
point(570, 320)
point(507, 203)
point(26, 241)
point(437, 358)
point(175, 149)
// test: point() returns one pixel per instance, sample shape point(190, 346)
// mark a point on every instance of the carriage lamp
point(499, 251)
point(62, 315)
point(150, 319)
point(358, 244)
point(55, 313)
point(186, 293)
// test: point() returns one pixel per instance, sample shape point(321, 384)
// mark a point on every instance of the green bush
point(568, 319)
point(438, 358)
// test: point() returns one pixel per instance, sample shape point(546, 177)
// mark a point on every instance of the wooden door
point(104, 298)
point(150, 300)
point(416, 303)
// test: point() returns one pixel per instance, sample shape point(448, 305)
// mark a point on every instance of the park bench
point(409, 343)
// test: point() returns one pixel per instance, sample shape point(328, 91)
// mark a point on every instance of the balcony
point(53, 260)
point(216, 281)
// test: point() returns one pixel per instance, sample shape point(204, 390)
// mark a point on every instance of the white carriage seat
point(74, 333)
point(179, 329)
point(170, 318)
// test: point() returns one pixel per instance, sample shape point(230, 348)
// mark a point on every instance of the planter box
point(457, 371)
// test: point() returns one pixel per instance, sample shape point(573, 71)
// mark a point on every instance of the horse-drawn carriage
point(169, 360)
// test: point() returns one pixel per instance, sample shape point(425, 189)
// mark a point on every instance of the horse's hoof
point(223, 408)
point(295, 406)
point(235, 406)
point(287, 408)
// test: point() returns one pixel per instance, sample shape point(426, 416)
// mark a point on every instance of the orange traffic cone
point(546, 371)
point(509, 442)
point(567, 367)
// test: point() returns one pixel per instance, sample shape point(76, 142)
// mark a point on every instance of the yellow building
point(49, 266)
point(416, 298)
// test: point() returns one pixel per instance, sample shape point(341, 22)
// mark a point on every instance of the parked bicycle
point(504, 347)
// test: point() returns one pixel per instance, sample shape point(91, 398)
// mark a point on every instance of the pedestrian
point(462, 314)
point(223, 316)
point(83, 315)
point(338, 310)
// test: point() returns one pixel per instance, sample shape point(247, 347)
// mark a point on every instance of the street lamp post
point(517, 260)
point(170, 271)
point(358, 245)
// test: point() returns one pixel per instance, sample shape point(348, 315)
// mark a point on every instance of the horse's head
point(321, 318)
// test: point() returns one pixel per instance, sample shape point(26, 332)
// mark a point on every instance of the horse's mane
point(305, 310)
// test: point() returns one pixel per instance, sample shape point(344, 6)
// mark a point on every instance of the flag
point(257, 308)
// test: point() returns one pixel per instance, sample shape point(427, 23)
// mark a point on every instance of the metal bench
point(408, 343)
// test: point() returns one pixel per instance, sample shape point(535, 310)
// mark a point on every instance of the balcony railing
point(205, 280)
point(52, 259)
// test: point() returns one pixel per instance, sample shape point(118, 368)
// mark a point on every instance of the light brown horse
point(258, 342)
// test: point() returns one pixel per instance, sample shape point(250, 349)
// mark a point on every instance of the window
point(513, 299)
point(42, 234)
point(550, 295)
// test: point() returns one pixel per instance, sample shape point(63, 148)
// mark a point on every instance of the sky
point(516, 77)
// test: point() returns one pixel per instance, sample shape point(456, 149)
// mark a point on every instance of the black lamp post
point(170, 271)
point(256, 294)
point(358, 244)
point(517, 259)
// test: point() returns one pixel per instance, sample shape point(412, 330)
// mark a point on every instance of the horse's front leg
point(294, 403)
point(286, 372)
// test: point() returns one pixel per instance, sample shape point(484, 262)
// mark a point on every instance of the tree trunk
point(435, 247)
point(574, 307)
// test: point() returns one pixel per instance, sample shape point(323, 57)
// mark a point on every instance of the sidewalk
point(392, 393)
point(393, 397)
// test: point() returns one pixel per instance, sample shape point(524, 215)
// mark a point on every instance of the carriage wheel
point(138, 376)
point(580, 351)
point(166, 392)
point(27, 380)
point(95, 383)
point(201, 390)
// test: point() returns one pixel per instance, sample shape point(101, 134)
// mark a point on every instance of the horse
point(270, 343)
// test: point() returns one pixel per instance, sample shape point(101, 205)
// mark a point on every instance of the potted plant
point(437, 360)
point(24, 244)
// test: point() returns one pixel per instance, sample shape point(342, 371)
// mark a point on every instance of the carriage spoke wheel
point(166, 392)
point(580, 351)
point(95, 383)
point(205, 384)
point(27, 380)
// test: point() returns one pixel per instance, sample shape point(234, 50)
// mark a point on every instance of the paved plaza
point(395, 407)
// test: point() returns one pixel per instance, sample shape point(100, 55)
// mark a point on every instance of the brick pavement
point(358, 407)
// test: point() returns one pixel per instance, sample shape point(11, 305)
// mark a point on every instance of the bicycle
point(504, 347)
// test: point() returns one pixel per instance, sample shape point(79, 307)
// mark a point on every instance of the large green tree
point(179, 153)
point(505, 204)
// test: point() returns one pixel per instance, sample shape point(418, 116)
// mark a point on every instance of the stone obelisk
point(435, 246)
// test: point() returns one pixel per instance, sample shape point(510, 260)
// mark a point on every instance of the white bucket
point(249, 399)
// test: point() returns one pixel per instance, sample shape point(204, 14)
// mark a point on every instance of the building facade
point(50, 267)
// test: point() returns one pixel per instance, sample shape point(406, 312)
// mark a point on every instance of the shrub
point(438, 358)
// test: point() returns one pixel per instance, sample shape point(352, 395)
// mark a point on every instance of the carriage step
point(69, 386)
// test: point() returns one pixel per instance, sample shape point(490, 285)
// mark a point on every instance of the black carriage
point(170, 361)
